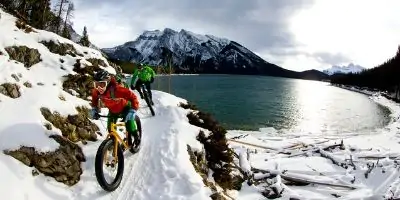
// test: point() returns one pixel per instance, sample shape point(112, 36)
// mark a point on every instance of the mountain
point(351, 68)
point(195, 53)
point(314, 75)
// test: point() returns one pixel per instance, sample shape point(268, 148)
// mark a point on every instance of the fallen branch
point(323, 174)
point(378, 157)
point(314, 150)
point(244, 163)
point(340, 145)
point(302, 180)
point(370, 166)
point(352, 163)
point(254, 145)
point(334, 160)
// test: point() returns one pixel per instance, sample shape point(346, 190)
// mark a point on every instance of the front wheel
point(105, 158)
point(133, 148)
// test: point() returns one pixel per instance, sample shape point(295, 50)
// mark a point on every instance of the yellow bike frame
point(113, 133)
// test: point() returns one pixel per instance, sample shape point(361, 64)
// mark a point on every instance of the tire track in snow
point(136, 174)
point(156, 171)
point(148, 161)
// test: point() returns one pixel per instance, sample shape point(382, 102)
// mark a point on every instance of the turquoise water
point(253, 102)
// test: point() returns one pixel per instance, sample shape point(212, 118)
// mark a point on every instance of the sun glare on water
point(311, 97)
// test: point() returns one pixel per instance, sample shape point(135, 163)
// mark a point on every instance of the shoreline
point(377, 97)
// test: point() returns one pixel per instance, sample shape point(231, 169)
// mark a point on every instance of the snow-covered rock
point(351, 68)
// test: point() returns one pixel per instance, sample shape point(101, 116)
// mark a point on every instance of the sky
point(294, 34)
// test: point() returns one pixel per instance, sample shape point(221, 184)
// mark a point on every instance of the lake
point(254, 102)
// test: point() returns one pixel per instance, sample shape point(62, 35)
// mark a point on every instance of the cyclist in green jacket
point(121, 80)
point(143, 75)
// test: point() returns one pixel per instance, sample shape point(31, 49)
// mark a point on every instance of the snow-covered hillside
point(36, 102)
point(350, 68)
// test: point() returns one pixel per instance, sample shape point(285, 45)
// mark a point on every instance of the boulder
point(63, 164)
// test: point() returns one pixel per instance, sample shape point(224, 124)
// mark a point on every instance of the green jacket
point(121, 80)
point(145, 74)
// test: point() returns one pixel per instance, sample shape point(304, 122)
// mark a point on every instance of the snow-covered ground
point(311, 158)
point(160, 170)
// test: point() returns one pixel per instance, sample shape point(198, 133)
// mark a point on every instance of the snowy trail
point(161, 169)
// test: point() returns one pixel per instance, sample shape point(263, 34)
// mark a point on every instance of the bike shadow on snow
point(89, 178)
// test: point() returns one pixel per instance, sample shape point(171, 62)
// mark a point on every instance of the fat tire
point(139, 132)
point(99, 166)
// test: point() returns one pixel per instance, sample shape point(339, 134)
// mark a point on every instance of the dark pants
point(147, 84)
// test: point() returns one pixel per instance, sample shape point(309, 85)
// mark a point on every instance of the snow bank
point(161, 170)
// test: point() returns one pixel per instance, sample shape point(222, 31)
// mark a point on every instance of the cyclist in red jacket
point(120, 101)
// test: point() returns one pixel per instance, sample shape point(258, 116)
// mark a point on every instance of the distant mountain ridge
point(195, 53)
point(351, 68)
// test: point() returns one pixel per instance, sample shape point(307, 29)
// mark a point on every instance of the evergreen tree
point(39, 13)
point(85, 38)
point(59, 9)
point(67, 21)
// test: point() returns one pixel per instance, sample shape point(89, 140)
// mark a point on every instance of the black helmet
point(101, 75)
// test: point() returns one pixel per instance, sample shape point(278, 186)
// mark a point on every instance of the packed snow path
point(161, 169)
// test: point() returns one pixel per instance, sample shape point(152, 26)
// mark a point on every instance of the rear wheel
point(104, 158)
point(148, 101)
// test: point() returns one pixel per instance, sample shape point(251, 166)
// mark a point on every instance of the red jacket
point(121, 97)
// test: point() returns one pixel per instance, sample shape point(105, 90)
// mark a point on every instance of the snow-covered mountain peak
point(350, 68)
point(154, 33)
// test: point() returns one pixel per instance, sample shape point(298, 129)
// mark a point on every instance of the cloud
point(362, 32)
point(295, 34)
